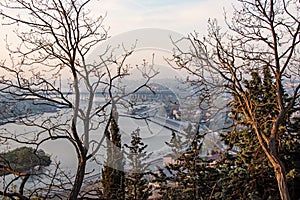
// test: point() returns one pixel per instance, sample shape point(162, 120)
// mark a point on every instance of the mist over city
point(149, 100)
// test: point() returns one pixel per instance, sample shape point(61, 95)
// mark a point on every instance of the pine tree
point(167, 177)
point(136, 183)
point(190, 176)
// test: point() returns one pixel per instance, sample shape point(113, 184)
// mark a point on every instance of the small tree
point(164, 176)
point(189, 176)
point(23, 160)
point(137, 185)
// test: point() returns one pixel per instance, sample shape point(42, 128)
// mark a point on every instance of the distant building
point(159, 94)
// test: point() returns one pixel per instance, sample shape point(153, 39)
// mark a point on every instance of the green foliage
point(190, 175)
point(24, 159)
point(291, 153)
point(249, 169)
point(137, 186)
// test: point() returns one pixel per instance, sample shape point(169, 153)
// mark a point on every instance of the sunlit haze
point(122, 16)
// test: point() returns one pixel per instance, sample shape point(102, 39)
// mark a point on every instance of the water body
point(153, 134)
point(62, 151)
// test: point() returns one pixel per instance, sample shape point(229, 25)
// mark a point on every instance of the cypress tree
point(113, 176)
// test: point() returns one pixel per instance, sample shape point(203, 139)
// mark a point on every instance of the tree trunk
point(279, 170)
point(278, 166)
point(281, 181)
point(279, 174)
point(79, 178)
point(270, 149)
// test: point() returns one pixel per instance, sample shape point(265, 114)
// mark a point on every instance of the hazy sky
point(123, 16)
point(179, 16)
point(182, 16)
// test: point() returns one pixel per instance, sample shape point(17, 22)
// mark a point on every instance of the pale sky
point(123, 16)
point(183, 16)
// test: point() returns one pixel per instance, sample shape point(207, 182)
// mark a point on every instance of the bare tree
point(55, 39)
point(262, 34)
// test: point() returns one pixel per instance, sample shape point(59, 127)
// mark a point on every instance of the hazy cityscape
point(169, 107)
